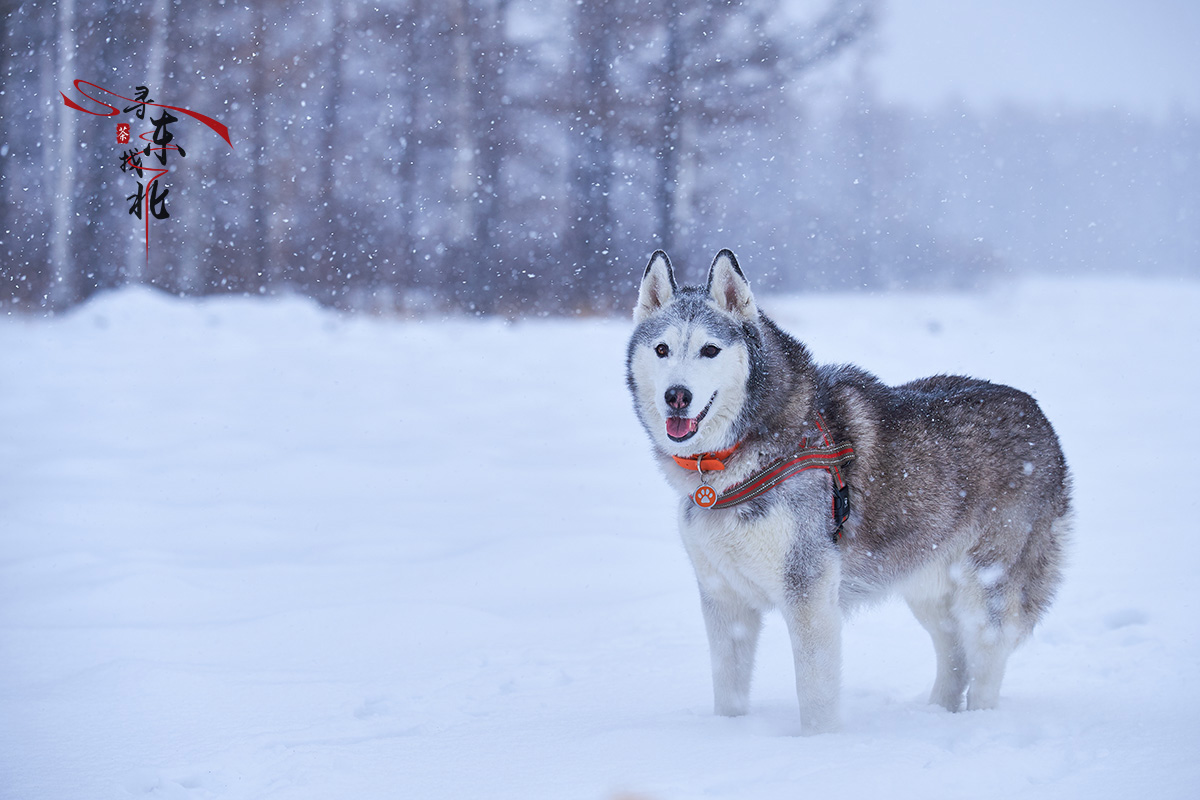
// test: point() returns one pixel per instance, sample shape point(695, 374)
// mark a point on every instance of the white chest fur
point(745, 558)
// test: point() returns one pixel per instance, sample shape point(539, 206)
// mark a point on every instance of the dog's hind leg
point(1003, 587)
point(935, 613)
point(991, 631)
point(930, 596)
point(988, 604)
point(733, 627)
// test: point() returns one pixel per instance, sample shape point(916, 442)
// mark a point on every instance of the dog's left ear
point(729, 288)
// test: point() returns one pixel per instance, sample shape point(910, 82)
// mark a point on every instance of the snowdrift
point(257, 550)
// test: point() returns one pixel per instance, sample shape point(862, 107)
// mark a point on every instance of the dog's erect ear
point(658, 286)
point(729, 288)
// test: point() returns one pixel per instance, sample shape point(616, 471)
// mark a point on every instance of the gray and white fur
point(959, 495)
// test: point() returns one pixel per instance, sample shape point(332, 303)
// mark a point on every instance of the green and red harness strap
point(828, 456)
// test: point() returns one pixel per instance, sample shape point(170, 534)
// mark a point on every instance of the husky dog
point(814, 489)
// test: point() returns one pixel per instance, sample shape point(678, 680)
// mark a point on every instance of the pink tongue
point(680, 426)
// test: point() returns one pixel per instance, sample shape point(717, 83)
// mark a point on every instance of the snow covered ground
point(259, 550)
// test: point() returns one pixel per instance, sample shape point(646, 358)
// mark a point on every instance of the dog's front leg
point(814, 622)
point(733, 626)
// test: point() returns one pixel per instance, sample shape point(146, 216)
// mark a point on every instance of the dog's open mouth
point(680, 429)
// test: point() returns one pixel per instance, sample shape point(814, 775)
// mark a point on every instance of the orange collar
point(705, 462)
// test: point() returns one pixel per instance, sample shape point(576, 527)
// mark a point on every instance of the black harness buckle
point(841, 508)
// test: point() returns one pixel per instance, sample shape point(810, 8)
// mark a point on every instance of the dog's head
point(690, 356)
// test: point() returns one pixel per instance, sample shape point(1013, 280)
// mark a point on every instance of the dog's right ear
point(658, 286)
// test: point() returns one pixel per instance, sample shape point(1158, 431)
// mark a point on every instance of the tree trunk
point(330, 244)
point(140, 265)
point(264, 274)
point(592, 173)
point(670, 118)
point(63, 290)
point(412, 44)
point(484, 25)
point(6, 11)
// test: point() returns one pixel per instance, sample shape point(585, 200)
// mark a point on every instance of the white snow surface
point(256, 549)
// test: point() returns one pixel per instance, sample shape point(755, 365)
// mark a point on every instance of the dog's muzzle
point(681, 428)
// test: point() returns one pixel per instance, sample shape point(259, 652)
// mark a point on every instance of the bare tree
point(593, 134)
point(7, 8)
point(412, 42)
point(63, 289)
point(719, 61)
point(331, 242)
point(484, 24)
point(158, 24)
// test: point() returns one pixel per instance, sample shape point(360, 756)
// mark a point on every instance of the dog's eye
point(662, 350)
point(709, 351)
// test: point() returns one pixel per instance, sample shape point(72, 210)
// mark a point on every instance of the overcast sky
point(1143, 55)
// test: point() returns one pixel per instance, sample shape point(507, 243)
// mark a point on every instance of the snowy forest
point(524, 157)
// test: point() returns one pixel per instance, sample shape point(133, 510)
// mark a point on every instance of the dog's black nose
point(678, 397)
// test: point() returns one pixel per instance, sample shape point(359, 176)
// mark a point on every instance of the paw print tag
point(705, 496)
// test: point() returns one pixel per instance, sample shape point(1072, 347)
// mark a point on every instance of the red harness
point(828, 456)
